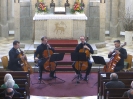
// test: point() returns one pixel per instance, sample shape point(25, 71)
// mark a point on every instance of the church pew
point(102, 76)
point(113, 92)
point(127, 83)
point(17, 75)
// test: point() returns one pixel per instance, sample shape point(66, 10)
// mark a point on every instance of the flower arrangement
point(40, 6)
point(77, 7)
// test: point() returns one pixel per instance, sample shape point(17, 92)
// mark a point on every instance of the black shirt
point(80, 46)
point(13, 59)
point(40, 49)
point(123, 55)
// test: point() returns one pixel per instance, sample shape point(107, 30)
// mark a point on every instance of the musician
point(122, 53)
point(87, 46)
point(14, 63)
point(41, 60)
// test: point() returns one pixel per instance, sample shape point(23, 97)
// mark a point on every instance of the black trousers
point(41, 68)
point(15, 67)
point(118, 68)
point(87, 70)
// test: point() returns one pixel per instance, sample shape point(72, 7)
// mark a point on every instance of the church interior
point(64, 22)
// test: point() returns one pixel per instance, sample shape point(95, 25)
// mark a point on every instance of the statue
point(52, 4)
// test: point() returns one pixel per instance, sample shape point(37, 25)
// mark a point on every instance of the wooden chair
point(4, 60)
point(128, 60)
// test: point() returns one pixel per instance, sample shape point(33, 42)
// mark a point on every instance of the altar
point(59, 26)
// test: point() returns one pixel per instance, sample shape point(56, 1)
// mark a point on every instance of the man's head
point(44, 39)
point(9, 92)
point(10, 83)
point(132, 84)
point(130, 94)
point(16, 44)
point(117, 43)
point(82, 39)
point(7, 76)
point(113, 76)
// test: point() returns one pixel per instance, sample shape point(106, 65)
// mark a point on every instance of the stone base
point(4, 30)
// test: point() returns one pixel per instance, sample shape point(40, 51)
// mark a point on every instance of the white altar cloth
point(59, 16)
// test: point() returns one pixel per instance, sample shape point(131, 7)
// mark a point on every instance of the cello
point(83, 65)
point(25, 65)
point(49, 66)
point(113, 61)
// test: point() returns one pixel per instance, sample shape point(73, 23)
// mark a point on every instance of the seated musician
point(122, 53)
point(87, 46)
point(41, 60)
point(126, 93)
point(114, 82)
point(14, 60)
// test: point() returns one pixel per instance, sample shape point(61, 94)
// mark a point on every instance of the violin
point(113, 61)
point(23, 62)
point(49, 66)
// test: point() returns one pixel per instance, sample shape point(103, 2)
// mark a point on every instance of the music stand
point(98, 60)
point(56, 57)
point(78, 57)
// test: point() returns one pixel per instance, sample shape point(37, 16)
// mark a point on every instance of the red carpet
point(67, 89)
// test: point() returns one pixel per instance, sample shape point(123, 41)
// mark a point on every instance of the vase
point(77, 12)
point(128, 37)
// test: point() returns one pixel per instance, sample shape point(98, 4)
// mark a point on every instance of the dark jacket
point(40, 49)
point(123, 55)
point(115, 84)
point(80, 46)
point(16, 94)
point(13, 59)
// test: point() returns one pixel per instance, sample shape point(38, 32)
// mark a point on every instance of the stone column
point(10, 14)
point(114, 32)
point(3, 19)
point(32, 6)
point(17, 19)
point(121, 10)
point(26, 20)
point(102, 21)
point(107, 15)
point(93, 22)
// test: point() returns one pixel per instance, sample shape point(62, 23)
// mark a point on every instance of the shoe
point(86, 78)
point(39, 78)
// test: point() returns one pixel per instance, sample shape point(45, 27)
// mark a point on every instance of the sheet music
point(103, 75)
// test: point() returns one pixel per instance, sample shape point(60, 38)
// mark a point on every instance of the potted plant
point(126, 18)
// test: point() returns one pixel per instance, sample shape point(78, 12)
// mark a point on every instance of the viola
point(25, 65)
point(113, 60)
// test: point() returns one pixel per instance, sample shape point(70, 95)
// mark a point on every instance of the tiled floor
point(6, 45)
